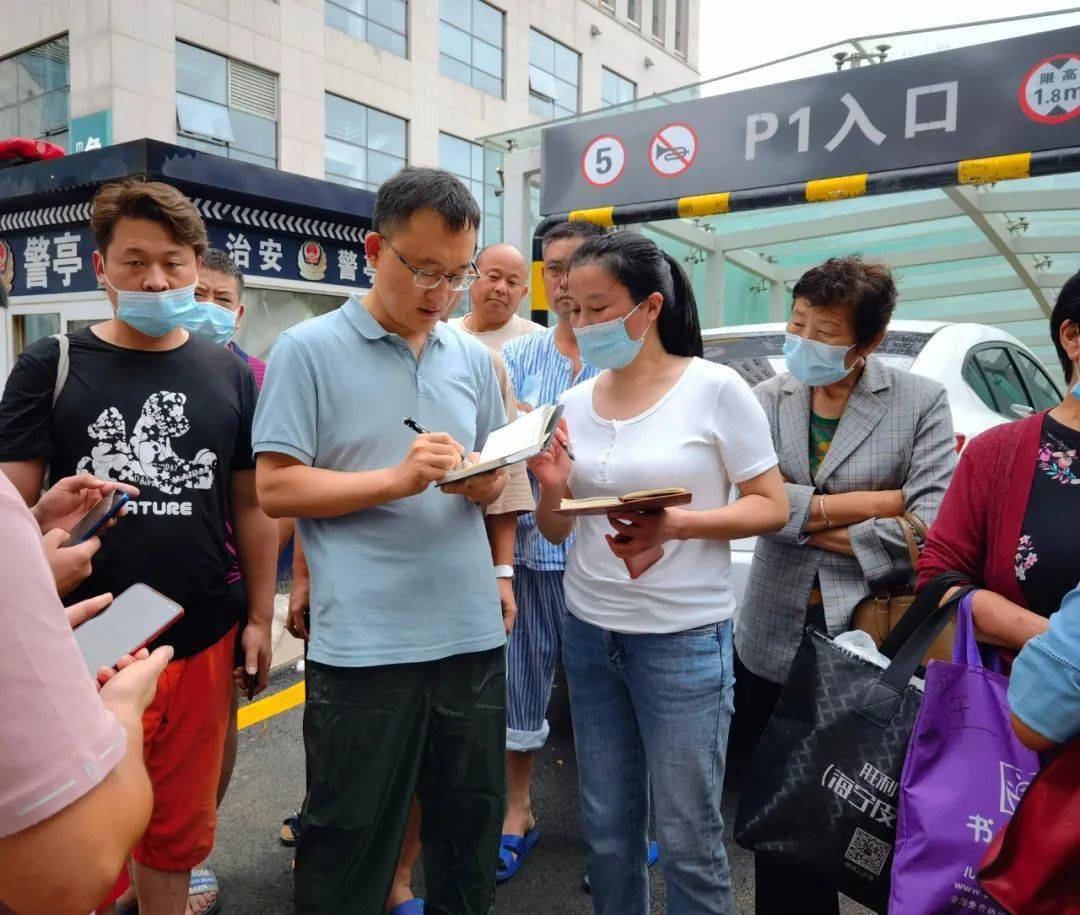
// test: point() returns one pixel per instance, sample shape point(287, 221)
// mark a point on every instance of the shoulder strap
point(883, 695)
point(913, 530)
point(63, 365)
point(926, 603)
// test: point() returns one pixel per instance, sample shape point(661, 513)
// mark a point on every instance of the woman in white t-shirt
point(649, 659)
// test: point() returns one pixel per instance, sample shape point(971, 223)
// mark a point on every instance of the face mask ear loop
point(627, 318)
point(108, 282)
point(860, 361)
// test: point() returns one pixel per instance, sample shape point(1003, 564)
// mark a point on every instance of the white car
point(990, 376)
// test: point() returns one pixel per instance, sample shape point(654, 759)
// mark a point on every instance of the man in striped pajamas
point(542, 366)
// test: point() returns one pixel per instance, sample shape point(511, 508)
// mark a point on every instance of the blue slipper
point(203, 880)
point(513, 851)
point(409, 907)
point(654, 856)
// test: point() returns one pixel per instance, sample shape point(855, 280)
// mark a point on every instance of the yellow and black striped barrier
point(968, 171)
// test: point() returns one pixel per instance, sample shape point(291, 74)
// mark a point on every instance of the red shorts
point(183, 740)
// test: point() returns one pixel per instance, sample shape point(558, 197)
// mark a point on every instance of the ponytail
point(679, 325)
point(643, 268)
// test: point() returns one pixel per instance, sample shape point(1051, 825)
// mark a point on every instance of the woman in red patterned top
point(1014, 497)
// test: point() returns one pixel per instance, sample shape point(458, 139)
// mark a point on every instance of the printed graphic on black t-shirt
point(1045, 558)
point(175, 424)
point(148, 457)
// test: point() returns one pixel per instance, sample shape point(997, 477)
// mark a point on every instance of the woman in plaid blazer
point(859, 444)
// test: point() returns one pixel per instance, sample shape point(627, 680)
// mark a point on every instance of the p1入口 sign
point(1012, 96)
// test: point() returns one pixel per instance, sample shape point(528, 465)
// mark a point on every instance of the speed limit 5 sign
point(603, 160)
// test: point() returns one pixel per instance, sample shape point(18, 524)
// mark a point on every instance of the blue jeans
point(652, 710)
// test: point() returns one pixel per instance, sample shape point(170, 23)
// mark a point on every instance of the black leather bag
point(822, 787)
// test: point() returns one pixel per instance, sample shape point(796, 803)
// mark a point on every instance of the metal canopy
point(979, 254)
point(994, 251)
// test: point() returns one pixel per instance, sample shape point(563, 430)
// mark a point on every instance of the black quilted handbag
point(821, 793)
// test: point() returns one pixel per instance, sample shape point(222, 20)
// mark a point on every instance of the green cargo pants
point(373, 737)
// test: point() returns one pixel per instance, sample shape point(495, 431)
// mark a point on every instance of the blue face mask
point(608, 345)
point(155, 313)
point(212, 321)
point(815, 363)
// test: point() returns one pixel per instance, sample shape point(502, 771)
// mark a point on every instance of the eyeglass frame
point(417, 272)
point(559, 270)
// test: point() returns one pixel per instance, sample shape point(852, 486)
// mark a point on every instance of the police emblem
point(7, 266)
point(312, 260)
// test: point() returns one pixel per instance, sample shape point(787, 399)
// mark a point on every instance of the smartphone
point(100, 515)
point(132, 621)
point(640, 564)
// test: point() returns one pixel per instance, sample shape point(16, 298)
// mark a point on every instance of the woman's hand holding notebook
point(644, 501)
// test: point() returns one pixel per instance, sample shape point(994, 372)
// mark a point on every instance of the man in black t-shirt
point(150, 404)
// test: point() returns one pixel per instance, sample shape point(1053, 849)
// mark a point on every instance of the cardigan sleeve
point(957, 540)
point(878, 543)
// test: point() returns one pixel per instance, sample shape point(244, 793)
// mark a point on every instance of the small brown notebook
point(647, 500)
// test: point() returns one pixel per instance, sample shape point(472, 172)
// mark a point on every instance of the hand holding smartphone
point(100, 515)
point(132, 621)
point(641, 563)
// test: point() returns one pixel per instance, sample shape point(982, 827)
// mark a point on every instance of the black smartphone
point(132, 621)
point(100, 515)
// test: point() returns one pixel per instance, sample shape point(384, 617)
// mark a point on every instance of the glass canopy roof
point(995, 254)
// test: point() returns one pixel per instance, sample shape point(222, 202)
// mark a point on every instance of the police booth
point(299, 241)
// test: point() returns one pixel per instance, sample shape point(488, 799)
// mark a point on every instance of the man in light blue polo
point(405, 672)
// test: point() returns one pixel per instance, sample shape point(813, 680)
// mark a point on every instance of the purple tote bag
point(964, 774)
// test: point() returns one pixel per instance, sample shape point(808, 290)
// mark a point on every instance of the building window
point(225, 107)
point(364, 146)
point(633, 12)
point(616, 89)
point(383, 23)
point(471, 44)
point(682, 14)
point(659, 19)
point(277, 311)
point(553, 77)
point(34, 90)
point(609, 5)
point(477, 166)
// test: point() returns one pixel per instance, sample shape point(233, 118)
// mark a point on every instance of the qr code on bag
point(868, 852)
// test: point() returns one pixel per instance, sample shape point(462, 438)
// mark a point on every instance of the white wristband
point(504, 571)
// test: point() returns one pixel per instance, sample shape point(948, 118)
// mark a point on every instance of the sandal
point(203, 880)
point(290, 831)
point(408, 907)
point(513, 852)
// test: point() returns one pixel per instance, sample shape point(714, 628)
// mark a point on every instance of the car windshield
point(758, 357)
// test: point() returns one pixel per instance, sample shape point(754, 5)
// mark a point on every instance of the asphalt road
point(255, 870)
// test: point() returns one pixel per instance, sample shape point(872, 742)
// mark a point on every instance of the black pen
point(420, 430)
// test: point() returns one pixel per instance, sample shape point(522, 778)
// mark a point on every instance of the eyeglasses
point(557, 269)
point(430, 279)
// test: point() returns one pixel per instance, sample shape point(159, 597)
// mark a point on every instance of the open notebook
point(524, 438)
point(644, 501)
